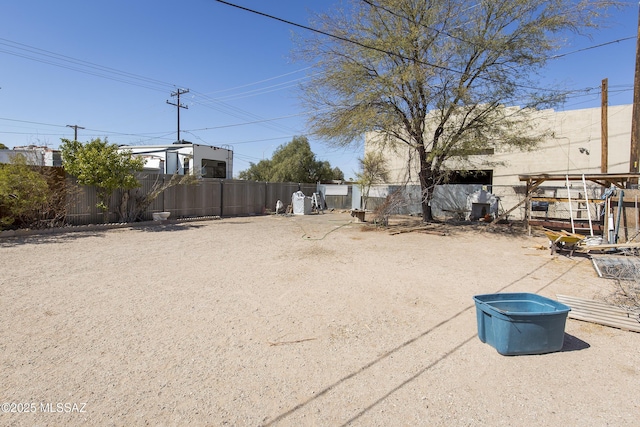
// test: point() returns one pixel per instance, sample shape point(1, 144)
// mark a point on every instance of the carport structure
point(534, 181)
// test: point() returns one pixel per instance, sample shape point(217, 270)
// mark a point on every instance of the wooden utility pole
point(635, 129)
point(75, 131)
point(604, 129)
point(177, 93)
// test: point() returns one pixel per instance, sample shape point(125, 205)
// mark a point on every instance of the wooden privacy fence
point(207, 197)
point(230, 197)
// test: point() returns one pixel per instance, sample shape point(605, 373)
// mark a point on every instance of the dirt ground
point(294, 320)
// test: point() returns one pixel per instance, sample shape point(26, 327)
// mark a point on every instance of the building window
point(214, 169)
point(483, 177)
point(57, 158)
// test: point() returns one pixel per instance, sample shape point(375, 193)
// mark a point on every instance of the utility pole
point(635, 128)
point(75, 131)
point(177, 93)
point(604, 128)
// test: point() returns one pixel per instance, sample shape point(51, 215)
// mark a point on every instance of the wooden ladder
point(583, 201)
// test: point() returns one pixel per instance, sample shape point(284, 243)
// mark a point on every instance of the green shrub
point(24, 194)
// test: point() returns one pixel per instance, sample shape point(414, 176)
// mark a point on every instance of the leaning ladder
point(586, 202)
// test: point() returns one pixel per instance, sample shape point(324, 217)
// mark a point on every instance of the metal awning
point(620, 180)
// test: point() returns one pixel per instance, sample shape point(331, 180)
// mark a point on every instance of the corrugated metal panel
point(602, 313)
point(224, 198)
point(283, 191)
point(209, 197)
point(255, 198)
point(242, 198)
point(232, 198)
point(411, 194)
point(308, 189)
point(81, 205)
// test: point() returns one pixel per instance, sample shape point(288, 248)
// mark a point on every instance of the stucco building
point(574, 146)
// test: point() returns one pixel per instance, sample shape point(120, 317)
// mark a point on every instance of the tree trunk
point(426, 185)
point(104, 199)
point(427, 216)
point(124, 208)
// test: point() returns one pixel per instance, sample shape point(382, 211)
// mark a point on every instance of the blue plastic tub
point(521, 323)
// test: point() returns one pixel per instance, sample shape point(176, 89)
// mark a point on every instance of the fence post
point(221, 198)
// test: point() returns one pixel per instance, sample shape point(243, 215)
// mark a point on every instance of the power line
point(87, 66)
point(345, 39)
point(578, 93)
point(264, 90)
point(372, 4)
point(119, 75)
point(250, 123)
point(375, 6)
point(363, 45)
point(258, 82)
point(237, 112)
point(97, 70)
point(334, 36)
point(31, 122)
point(94, 132)
point(30, 133)
point(81, 71)
point(591, 47)
point(89, 129)
point(265, 139)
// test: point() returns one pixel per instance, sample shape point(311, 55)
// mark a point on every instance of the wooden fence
point(228, 197)
point(208, 197)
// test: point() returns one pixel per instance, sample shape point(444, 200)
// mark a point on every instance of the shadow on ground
point(167, 227)
point(42, 239)
point(572, 343)
point(63, 235)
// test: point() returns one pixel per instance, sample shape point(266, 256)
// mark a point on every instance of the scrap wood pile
point(403, 225)
point(436, 229)
point(446, 228)
point(564, 240)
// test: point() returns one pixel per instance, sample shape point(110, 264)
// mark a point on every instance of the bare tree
point(391, 205)
point(438, 76)
point(134, 202)
point(373, 170)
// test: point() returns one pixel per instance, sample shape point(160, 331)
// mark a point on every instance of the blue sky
point(122, 59)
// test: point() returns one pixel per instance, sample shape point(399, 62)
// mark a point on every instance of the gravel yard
point(294, 320)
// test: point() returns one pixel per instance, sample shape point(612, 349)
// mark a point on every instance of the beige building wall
point(573, 147)
point(401, 162)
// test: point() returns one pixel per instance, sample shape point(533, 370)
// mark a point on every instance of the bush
point(100, 164)
point(31, 196)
